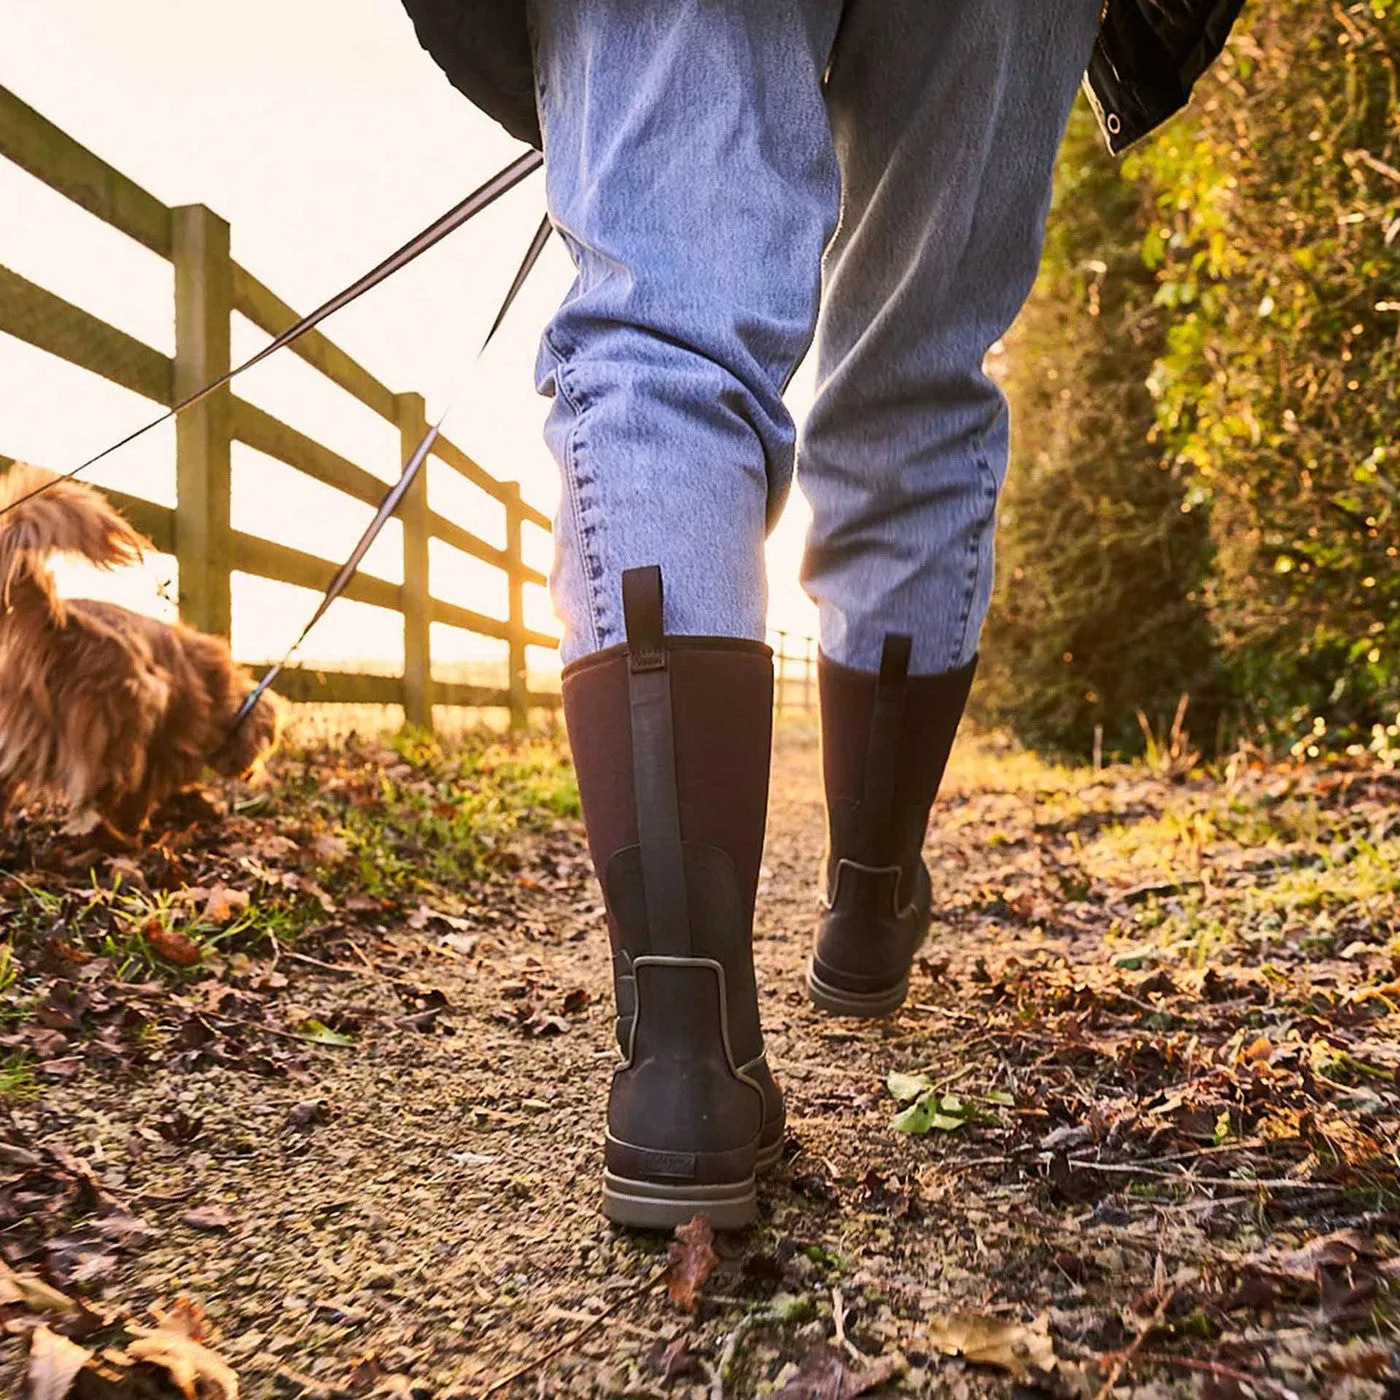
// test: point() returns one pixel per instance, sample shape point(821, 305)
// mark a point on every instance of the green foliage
point(1098, 612)
point(1279, 261)
point(17, 1083)
point(1222, 317)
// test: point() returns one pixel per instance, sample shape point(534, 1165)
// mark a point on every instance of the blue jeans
point(733, 177)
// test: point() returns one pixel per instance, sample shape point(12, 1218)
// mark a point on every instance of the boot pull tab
point(643, 599)
point(654, 765)
point(882, 756)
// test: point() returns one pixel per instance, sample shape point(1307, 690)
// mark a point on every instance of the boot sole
point(768, 1156)
point(649, 1205)
point(867, 1006)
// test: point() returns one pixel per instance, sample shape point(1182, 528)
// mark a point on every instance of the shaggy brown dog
point(100, 707)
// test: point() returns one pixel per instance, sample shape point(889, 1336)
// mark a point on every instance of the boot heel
point(650, 1205)
point(869, 1006)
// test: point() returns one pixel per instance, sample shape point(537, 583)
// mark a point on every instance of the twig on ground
point(575, 1338)
point(1125, 1357)
point(947, 1011)
point(1118, 995)
point(346, 970)
point(557, 1314)
point(729, 1353)
point(1190, 1179)
point(1217, 1369)
point(1003, 1161)
point(267, 1030)
point(1248, 1145)
point(838, 1328)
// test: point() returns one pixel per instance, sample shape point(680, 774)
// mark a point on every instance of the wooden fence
point(209, 288)
point(794, 671)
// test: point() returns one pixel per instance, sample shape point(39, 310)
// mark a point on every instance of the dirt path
point(1118, 994)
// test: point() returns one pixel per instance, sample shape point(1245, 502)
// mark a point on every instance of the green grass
point(384, 823)
point(17, 1082)
point(442, 817)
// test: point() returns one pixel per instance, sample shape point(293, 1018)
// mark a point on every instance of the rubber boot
point(672, 740)
point(885, 744)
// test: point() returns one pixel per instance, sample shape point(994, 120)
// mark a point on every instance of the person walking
point(733, 179)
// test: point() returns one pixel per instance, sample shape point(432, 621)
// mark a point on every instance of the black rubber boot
point(885, 743)
point(672, 739)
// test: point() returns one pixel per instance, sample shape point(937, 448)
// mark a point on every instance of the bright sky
point(326, 137)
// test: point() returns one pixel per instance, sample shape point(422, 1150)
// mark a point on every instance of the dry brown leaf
point(1339, 1250)
point(824, 1374)
point(34, 1293)
point(54, 1363)
point(208, 1218)
point(196, 1371)
point(173, 947)
point(692, 1260)
point(185, 1316)
point(224, 905)
point(988, 1341)
point(330, 850)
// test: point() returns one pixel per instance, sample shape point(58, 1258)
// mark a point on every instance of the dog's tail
point(66, 517)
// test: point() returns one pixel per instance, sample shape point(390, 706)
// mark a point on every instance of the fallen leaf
point(904, 1087)
point(224, 905)
point(34, 1293)
point(1075, 1135)
point(173, 947)
point(208, 1218)
point(692, 1260)
point(196, 1371)
point(424, 915)
point(672, 1360)
point(931, 1113)
point(544, 1023)
point(309, 1113)
point(321, 1034)
point(1336, 1251)
point(306, 886)
point(987, 1341)
point(330, 850)
point(185, 1316)
point(824, 1375)
point(54, 1363)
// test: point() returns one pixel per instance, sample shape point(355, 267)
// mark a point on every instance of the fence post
point(809, 664)
point(780, 680)
point(515, 563)
point(412, 416)
point(203, 434)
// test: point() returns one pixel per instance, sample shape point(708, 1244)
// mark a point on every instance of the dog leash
point(455, 217)
point(390, 503)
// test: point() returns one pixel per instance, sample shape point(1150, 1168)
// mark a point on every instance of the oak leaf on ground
point(173, 947)
point(54, 1363)
point(692, 1260)
point(988, 1341)
point(224, 905)
point(196, 1371)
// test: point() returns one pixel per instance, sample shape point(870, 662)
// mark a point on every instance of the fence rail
point(209, 289)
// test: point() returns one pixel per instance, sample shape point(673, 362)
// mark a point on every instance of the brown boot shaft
point(886, 739)
point(672, 740)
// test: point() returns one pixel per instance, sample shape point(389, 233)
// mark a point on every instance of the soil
point(1159, 1146)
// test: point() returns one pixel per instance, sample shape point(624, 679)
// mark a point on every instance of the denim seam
point(988, 481)
point(574, 486)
